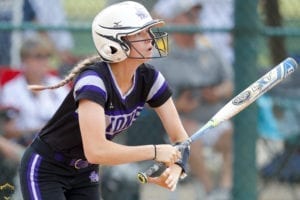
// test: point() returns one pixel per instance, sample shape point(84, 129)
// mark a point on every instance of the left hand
point(169, 178)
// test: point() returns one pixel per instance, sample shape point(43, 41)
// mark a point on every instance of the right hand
point(168, 179)
point(167, 154)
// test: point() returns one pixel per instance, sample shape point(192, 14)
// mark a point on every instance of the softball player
point(108, 93)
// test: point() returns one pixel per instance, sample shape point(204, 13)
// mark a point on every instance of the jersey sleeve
point(89, 85)
point(160, 91)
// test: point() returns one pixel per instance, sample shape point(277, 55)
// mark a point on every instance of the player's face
point(38, 63)
point(141, 44)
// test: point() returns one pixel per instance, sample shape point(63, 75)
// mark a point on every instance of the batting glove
point(185, 154)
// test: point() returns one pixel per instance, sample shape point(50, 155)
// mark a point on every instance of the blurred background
point(252, 36)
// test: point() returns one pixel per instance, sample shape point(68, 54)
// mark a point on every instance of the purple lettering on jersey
point(109, 127)
point(121, 122)
point(128, 121)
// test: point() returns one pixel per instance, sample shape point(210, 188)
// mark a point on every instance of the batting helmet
point(112, 24)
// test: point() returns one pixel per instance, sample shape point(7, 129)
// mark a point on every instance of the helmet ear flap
point(114, 52)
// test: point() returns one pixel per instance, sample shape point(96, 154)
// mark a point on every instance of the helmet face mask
point(112, 26)
point(159, 41)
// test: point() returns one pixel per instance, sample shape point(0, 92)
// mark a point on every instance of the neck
point(33, 79)
point(124, 72)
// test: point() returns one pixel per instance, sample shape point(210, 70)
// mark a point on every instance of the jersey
point(97, 83)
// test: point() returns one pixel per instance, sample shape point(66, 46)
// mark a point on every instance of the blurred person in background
point(26, 111)
point(31, 110)
point(41, 12)
point(215, 14)
point(52, 13)
point(9, 156)
point(218, 14)
point(148, 4)
point(202, 83)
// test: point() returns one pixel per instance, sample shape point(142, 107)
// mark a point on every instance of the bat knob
point(142, 177)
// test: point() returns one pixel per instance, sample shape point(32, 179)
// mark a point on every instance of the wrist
point(155, 152)
point(183, 162)
point(183, 173)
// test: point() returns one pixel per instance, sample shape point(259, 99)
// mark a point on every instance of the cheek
point(39, 66)
point(135, 48)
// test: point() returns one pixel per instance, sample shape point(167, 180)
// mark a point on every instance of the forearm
point(110, 153)
point(176, 131)
point(99, 150)
point(12, 132)
point(224, 90)
point(171, 122)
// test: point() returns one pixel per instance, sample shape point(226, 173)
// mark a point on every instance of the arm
point(217, 93)
point(172, 123)
point(224, 90)
point(12, 132)
point(99, 150)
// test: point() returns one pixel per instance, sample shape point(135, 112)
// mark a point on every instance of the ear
point(107, 50)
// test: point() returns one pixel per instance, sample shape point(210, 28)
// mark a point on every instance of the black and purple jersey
point(97, 83)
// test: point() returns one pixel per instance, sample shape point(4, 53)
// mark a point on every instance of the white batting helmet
point(122, 19)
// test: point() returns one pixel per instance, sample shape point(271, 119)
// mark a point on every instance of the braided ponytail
point(77, 68)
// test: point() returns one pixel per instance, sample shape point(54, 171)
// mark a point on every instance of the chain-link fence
point(252, 35)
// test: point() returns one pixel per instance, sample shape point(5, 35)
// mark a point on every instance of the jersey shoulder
point(147, 72)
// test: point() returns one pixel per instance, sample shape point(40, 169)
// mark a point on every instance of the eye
point(150, 32)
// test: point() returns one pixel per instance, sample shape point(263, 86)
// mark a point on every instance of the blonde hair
point(68, 78)
point(35, 45)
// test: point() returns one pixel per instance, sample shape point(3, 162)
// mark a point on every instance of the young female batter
point(108, 93)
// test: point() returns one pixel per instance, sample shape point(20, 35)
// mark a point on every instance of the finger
point(154, 180)
point(178, 157)
point(174, 157)
point(166, 173)
point(158, 181)
point(174, 187)
point(179, 154)
point(171, 182)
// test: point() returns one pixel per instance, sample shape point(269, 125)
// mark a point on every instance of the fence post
point(246, 33)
